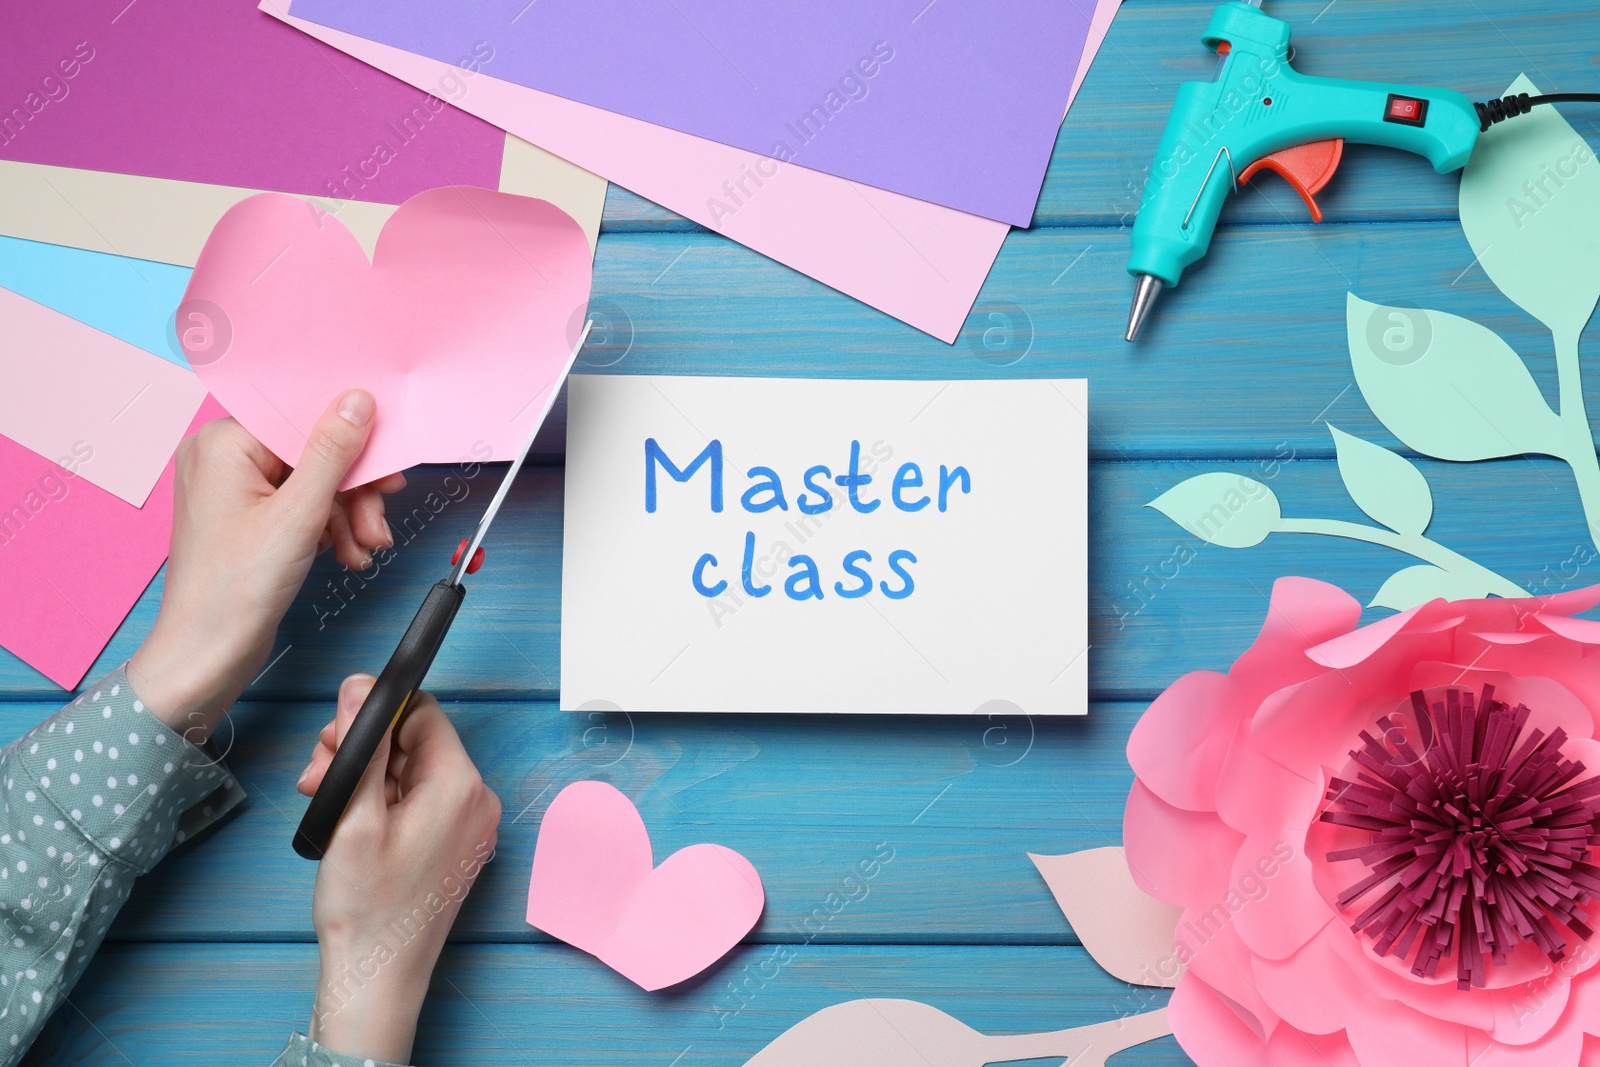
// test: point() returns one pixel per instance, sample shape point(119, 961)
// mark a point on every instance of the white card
point(815, 589)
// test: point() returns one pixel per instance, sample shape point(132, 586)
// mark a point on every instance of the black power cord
point(1493, 111)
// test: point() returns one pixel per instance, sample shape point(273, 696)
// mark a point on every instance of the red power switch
point(1406, 110)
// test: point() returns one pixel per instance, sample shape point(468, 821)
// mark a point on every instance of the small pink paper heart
point(459, 326)
point(595, 888)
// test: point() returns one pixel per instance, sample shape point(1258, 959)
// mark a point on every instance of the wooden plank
point(1248, 355)
point(808, 796)
point(870, 829)
point(1109, 138)
point(225, 1005)
point(1247, 358)
point(1110, 135)
point(1161, 603)
point(1249, 352)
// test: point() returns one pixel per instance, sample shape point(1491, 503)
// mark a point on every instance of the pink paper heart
point(595, 888)
point(459, 326)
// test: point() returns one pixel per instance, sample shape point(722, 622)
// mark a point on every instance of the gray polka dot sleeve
point(93, 798)
point(304, 1052)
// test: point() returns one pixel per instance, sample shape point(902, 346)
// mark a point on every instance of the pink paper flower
point(1382, 839)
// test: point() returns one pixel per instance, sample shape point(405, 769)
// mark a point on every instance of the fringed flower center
point(1479, 837)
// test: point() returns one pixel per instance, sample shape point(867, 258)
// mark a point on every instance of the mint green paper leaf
point(1411, 586)
point(1384, 485)
point(1446, 386)
point(1530, 206)
point(1223, 509)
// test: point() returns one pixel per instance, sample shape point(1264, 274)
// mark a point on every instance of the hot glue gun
point(1260, 113)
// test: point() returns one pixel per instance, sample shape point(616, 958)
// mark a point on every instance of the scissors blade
point(500, 494)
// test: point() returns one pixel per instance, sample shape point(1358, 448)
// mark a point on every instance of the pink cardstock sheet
point(110, 410)
point(1099, 26)
point(465, 317)
point(74, 558)
point(595, 886)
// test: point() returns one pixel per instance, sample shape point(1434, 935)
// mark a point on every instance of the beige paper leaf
point(1128, 932)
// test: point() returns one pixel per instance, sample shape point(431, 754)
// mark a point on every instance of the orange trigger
point(1307, 167)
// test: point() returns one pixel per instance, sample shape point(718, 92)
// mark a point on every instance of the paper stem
point(1082, 1046)
point(1579, 452)
point(1411, 544)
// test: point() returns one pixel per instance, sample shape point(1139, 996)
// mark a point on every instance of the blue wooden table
point(213, 960)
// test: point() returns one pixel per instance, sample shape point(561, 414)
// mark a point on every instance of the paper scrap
point(957, 104)
point(595, 886)
point(111, 413)
point(167, 220)
point(465, 317)
point(201, 91)
point(74, 558)
point(1128, 932)
point(923, 542)
point(906, 1033)
point(919, 262)
point(528, 170)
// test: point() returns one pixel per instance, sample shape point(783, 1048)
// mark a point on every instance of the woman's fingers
point(346, 549)
point(352, 691)
point(311, 777)
point(356, 526)
point(322, 757)
point(392, 483)
point(368, 806)
point(398, 759)
point(365, 821)
point(431, 745)
point(364, 508)
point(307, 495)
point(438, 779)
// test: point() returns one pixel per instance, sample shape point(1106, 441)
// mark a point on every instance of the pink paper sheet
point(213, 91)
point(1099, 25)
point(919, 262)
point(110, 411)
point(74, 558)
point(594, 885)
point(465, 317)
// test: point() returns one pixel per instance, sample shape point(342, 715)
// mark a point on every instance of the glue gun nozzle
point(1144, 298)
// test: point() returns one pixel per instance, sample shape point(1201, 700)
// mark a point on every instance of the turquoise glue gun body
point(1261, 113)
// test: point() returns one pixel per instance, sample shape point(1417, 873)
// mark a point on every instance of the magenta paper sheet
point(74, 558)
point(216, 91)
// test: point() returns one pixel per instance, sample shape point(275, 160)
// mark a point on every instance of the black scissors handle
point(391, 694)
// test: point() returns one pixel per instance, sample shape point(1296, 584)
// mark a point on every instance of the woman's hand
point(419, 829)
point(245, 530)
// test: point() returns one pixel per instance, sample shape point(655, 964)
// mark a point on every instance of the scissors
point(402, 675)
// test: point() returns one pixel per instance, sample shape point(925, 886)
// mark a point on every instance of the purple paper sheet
point(953, 101)
point(216, 91)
